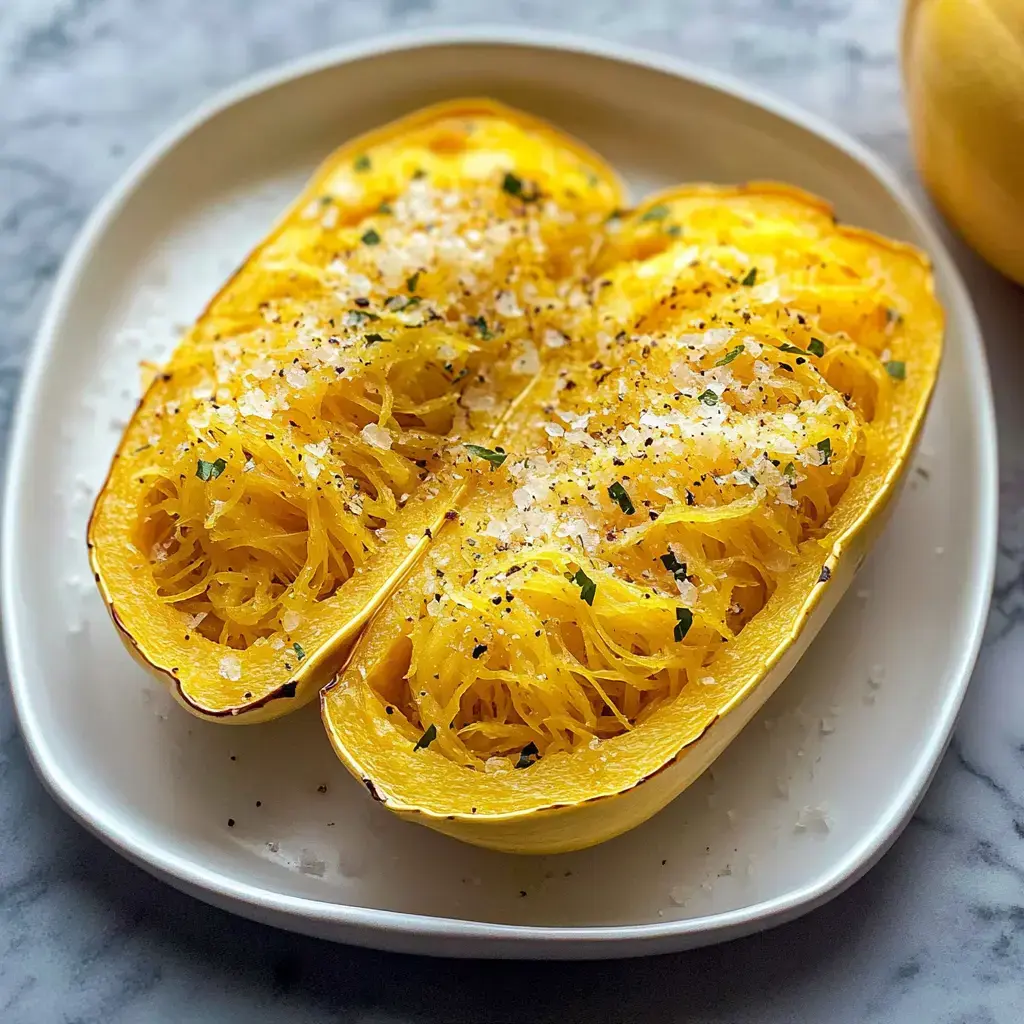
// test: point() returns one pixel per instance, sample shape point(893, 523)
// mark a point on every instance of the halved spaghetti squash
point(678, 504)
point(290, 463)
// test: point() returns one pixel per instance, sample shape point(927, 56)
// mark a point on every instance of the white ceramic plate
point(804, 801)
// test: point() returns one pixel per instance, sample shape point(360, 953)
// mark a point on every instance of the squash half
point(684, 497)
point(292, 461)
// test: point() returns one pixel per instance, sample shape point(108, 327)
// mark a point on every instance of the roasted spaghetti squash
point(679, 502)
point(289, 464)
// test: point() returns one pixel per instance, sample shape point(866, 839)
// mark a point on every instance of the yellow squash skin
point(680, 264)
point(963, 71)
point(305, 421)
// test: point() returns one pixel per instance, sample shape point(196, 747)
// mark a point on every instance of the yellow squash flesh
point(963, 70)
point(744, 401)
point(294, 458)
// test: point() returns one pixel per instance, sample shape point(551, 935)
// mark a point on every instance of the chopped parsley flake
point(481, 325)
point(513, 185)
point(658, 212)
point(495, 456)
point(751, 277)
point(896, 369)
point(371, 237)
point(674, 230)
point(708, 397)
point(360, 316)
point(618, 494)
point(816, 347)
point(893, 316)
point(361, 163)
point(299, 652)
point(385, 208)
point(825, 447)
point(674, 566)
point(786, 347)
point(684, 620)
point(789, 471)
point(428, 737)
point(411, 282)
point(210, 470)
point(479, 650)
point(528, 755)
point(371, 338)
point(588, 588)
point(730, 356)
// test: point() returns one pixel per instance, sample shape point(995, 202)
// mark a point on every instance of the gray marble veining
point(934, 933)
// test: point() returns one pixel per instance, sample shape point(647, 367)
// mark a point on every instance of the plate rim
point(399, 929)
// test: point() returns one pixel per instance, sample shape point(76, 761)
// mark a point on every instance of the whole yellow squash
point(963, 69)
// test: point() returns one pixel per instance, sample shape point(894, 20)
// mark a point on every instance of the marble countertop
point(935, 933)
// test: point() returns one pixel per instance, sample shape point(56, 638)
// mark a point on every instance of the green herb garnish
point(360, 316)
point(513, 185)
point(674, 230)
point(730, 356)
point(428, 737)
point(481, 325)
point(790, 470)
point(708, 397)
point(896, 369)
point(411, 282)
point(385, 208)
point(299, 652)
point(371, 338)
point(528, 755)
point(825, 447)
point(495, 456)
point(751, 277)
point(361, 163)
point(674, 566)
point(588, 588)
point(684, 620)
point(658, 212)
point(816, 347)
point(210, 470)
point(479, 651)
point(371, 237)
point(618, 494)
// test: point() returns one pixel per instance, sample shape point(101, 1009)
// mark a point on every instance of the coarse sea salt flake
point(231, 667)
point(255, 403)
point(506, 305)
point(378, 436)
point(527, 362)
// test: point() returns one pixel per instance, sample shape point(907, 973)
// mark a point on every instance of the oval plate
point(264, 821)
